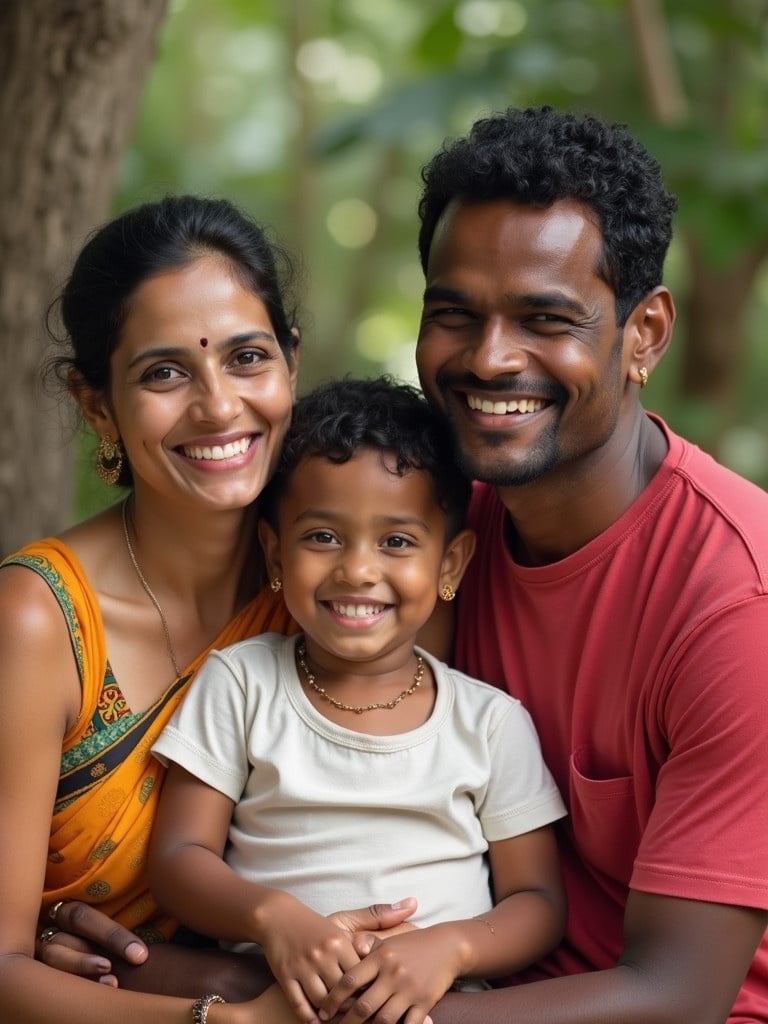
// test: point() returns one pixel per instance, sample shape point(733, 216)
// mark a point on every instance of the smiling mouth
point(518, 405)
point(356, 611)
point(217, 452)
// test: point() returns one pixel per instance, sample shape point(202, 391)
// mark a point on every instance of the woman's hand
point(79, 936)
point(271, 1007)
point(79, 939)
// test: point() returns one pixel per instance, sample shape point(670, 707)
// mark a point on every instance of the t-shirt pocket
point(603, 817)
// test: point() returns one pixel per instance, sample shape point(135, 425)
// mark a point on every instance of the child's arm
point(307, 953)
point(409, 973)
point(528, 919)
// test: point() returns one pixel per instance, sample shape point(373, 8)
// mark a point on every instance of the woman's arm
point(39, 699)
point(171, 969)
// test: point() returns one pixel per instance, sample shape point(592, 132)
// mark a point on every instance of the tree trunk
point(656, 63)
point(715, 307)
point(73, 71)
point(716, 300)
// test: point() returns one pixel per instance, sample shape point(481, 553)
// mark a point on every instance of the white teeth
point(356, 611)
point(521, 405)
point(217, 452)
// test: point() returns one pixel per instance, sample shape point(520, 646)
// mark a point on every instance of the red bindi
point(203, 342)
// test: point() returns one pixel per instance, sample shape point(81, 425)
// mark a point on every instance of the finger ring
point(55, 909)
point(47, 934)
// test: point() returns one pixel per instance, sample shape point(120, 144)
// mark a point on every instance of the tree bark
point(716, 306)
point(73, 72)
point(656, 62)
point(716, 300)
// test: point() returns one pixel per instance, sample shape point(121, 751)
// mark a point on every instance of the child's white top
point(343, 819)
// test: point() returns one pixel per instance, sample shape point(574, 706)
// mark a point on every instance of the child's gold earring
point(276, 585)
point(447, 593)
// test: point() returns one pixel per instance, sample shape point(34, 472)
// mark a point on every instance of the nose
point(357, 565)
point(497, 350)
point(217, 399)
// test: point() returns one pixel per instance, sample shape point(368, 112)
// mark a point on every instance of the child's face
point(362, 555)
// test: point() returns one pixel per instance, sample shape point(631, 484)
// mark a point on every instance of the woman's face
point(201, 393)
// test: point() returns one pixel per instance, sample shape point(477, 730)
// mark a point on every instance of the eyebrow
point(542, 300)
point(392, 521)
point(439, 293)
point(546, 300)
point(176, 351)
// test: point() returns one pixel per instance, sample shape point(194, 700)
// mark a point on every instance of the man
point(620, 587)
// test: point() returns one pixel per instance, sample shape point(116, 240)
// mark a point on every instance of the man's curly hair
point(540, 155)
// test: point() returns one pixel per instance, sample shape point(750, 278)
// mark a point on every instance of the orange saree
point(109, 783)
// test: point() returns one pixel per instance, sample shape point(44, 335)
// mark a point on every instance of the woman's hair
point(339, 418)
point(540, 155)
point(152, 239)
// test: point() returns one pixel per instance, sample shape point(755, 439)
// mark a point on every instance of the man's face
point(518, 343)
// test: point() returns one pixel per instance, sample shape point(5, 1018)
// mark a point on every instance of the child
point(346, 765)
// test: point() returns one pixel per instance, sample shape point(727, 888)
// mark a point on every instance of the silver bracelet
point(201, 1006)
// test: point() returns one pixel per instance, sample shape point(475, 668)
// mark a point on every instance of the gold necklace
point(389, 705)
point(148, 589)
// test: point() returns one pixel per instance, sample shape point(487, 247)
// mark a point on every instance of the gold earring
point(109, 460)
point(643, 377)
point(447, 593)
point(276, 585)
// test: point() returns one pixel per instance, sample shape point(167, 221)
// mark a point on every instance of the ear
point(94, 406)
point(648, 333)
point(293, 359)
point(270, 543)
point(456, 558)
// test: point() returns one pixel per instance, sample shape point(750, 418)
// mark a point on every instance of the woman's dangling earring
point(109, 460)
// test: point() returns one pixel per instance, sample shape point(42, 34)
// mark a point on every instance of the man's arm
point(683, 962)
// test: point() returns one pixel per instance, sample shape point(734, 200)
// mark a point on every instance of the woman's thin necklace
point(389, 705)
point(148, 589)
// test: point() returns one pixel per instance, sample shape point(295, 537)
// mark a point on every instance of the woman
point(184, 362)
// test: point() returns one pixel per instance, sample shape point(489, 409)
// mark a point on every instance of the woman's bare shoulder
point(93, 543)
point(29, 610)
point(28, 604)
point(37, 664)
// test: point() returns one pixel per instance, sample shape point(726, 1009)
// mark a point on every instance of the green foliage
point(317, 117)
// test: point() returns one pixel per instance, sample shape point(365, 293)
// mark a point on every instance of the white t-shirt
point(343, 819)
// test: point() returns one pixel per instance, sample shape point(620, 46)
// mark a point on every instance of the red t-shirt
point(643, 659)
